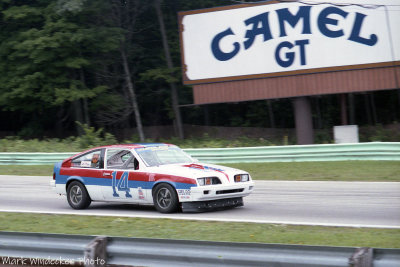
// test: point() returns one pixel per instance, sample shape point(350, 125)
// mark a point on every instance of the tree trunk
point(132, 94)
point(174, 91)
point(77, 107)
point(62, 116)
point(84, 100)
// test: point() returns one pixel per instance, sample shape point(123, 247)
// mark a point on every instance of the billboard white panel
point(274, 39)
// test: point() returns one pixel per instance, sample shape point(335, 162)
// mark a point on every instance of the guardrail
point(326, 152)
point(25, 158)
point(81, 250)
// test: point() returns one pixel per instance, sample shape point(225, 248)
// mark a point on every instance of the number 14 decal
point(121, 184)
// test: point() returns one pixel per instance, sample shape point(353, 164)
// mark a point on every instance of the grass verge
point(28, 170)
point(200, 230)
point(377, 171)
point(383, 171)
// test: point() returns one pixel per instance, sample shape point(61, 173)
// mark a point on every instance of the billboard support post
point(303, 119)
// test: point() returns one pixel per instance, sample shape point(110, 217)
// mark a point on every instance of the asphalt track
point(353, 204)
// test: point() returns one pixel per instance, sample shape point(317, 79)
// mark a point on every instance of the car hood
point(198, 170)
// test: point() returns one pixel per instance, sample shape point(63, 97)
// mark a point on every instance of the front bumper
point(199, 206)
point(216, 192)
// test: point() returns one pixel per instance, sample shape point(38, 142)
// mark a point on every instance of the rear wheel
point(77, 196)
point(165, 198)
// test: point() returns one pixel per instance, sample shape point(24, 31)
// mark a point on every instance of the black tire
point(77, 196)
point(165, 198)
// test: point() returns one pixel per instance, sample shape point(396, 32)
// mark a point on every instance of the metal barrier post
point(362, 257)
point(96, 252)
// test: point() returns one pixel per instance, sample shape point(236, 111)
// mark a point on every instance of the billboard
point(288, 38)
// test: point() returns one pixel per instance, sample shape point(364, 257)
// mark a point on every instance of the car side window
point(90, 160)
point(121, 159)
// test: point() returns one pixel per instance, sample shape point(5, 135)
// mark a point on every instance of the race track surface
point(355, 204)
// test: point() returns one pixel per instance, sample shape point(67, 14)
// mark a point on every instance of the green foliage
point(207, 142)
point(90, 138)
point(164, 74)
point(76, 92)
point(42, 59)
point(15, 144)
point(93, 137)
point(380, 134)
point(323, 137)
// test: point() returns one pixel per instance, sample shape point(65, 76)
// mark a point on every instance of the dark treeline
point(116, 64)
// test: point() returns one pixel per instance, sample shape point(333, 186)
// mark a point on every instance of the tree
point(174, 91)
point(125, 16)
point(44, 55)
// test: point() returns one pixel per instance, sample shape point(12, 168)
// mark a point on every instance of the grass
point(383, 171)
point(34, 170)
point(200, 230)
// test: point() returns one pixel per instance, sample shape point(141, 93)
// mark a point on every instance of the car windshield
point(162, 155)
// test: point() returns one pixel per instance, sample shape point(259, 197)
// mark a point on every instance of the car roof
point(136, 145)
point(128, 146)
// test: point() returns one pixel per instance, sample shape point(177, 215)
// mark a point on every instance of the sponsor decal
point(260, 25)
point(86, 164)
point(206, 168)
point(140, 191)
point(184, 193)
point(151, 177)
point(287, 37)
point(203, 167)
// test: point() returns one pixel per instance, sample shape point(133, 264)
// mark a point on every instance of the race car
point(159, 174)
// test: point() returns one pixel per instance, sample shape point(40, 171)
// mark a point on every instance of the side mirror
point(136, 164)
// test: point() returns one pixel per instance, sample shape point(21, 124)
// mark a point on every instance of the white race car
point(158, 174)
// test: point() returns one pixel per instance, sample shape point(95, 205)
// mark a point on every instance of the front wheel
point(77, 196)
point(165, 198)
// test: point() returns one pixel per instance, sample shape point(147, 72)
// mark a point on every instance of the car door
point(88, 169)
point(124, 178)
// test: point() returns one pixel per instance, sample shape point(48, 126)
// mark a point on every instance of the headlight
point(242, 178)
point(208, 181)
